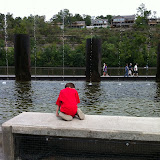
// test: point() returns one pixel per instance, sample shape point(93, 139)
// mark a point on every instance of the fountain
point(134, 109)
point(93, 60)
point(90, 60)
point(63, 15)
point(6, 45)
point(93, 68)
point(119, 52)
point(35, 47)
point(149, 47)
point(93, 73)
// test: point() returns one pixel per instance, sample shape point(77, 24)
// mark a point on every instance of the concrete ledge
point(94, 126)
point(139, 131)
point(0, 136)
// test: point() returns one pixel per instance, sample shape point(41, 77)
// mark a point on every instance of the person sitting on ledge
point(67, 103)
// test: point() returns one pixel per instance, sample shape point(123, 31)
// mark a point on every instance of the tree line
point(119, 45)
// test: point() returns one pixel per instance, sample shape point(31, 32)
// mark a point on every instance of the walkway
point(82, 78)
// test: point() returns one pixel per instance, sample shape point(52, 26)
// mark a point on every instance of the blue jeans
point(126, 74)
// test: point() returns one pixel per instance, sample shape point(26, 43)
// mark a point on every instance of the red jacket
point(68, 100)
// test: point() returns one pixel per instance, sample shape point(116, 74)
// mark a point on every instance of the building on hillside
point(153, 21)
point(123, 21)
point(59, 24)
point(78, 24)
point(97, 23)
point(158, 20)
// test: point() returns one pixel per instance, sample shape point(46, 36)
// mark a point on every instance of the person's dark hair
point(71, 85)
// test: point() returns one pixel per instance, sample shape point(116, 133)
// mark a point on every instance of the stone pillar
point(158, 64)
point(22, 57)
point(93, 60)
point(7, 142)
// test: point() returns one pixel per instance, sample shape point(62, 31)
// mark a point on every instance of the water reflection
point(92, 93)
point(157, 96)
point(129, 99)
point(156, 106)
point(93, 98)
point(23, 96)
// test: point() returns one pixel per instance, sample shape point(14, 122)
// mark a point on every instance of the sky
point(24, 8)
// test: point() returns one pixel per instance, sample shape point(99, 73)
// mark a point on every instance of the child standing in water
point(67, 103)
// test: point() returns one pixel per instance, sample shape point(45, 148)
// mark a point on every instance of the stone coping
point(94, 126)
point(0, 136)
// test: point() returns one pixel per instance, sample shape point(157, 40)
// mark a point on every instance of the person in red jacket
point(67, 103)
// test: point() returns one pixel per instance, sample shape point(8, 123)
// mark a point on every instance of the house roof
point(99, 21)
point(79, 22)
point(125, 17)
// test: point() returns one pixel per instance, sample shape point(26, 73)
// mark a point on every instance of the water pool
point(131, 98)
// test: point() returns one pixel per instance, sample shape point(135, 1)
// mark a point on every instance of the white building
point(97, 23)
point(123, 21)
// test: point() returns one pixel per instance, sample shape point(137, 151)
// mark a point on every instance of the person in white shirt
point(136, 70)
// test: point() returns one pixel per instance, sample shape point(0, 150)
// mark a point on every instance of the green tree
point(109, 54)
point(78, 55)
point(49, 56)
point(77, 17)
point(58, 18)
point(109, 17)
point(87, 20)
point(142, 15)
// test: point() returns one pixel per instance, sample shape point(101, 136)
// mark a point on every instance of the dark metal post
point(93, 60)
point(22, 57)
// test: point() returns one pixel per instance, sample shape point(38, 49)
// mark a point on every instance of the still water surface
point(104, 98)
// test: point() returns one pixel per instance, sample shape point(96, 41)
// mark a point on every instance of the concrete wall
point(0, 136)
point(1, 150)
point(139, 136)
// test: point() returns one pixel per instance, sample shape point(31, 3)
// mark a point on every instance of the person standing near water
point(136, 70)
point(67, 103)
point(130, 69)
point(126, 71)
point(104, 69)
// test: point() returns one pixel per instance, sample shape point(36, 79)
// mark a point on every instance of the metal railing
point(112, 71)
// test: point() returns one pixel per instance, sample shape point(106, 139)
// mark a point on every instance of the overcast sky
point(21, 8)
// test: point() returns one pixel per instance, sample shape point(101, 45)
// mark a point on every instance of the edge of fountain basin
point(0, 135)
point(94, 126)
point(121, 128)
